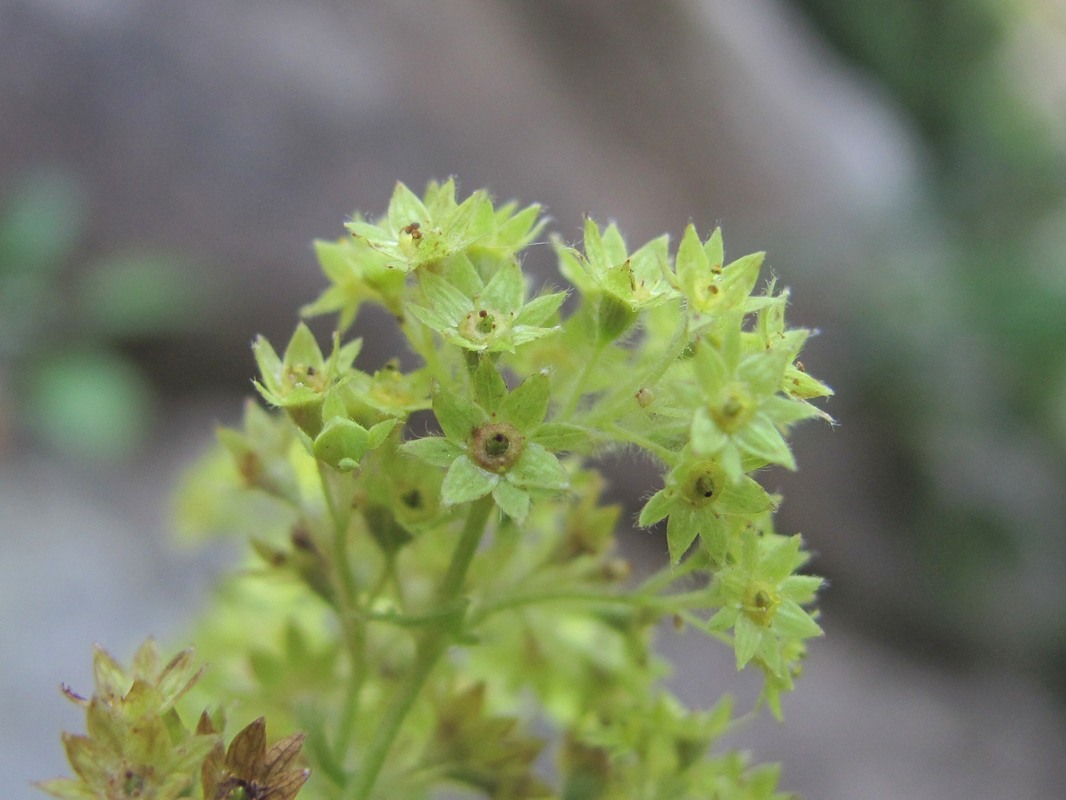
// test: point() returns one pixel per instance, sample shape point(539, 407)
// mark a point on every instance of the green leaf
point(89, 405)
point(465, 481)
point(143, 294)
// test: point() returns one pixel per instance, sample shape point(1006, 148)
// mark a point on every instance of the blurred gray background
point(165, 166)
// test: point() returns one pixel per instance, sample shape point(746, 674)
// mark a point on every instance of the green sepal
point(109, 679)
point(405, 208)
point(761, 438)
point(785, 411)
point(445, 302)
point(707, 437)
point(614, 317)
point(780, 558)
point(435, 450)
point(801, 588)
point(764, 371)
point(793, 622)
point(561, 437)
point(745, 497)
point(540, 311)
point(710, 368)
point(538, 468)
point(506, 290)
point(514, 502)
point(303, 349)
point(466, 481)
point(68, 789)
point(457, 416)
point(657, 508)
point(342, 443)
point(380, 432)
point(90, 760)
point(692, 263)
point(527, 405)
point(681, 531)
point(488, 384)
point(747, 635)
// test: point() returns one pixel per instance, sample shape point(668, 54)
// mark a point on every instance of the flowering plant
point(433, 587)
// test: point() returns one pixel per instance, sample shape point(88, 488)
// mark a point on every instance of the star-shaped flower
point(494, 446)
point(762, 600)
point(700, 501)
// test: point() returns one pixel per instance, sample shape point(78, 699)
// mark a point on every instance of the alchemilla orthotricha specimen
point(432, 597)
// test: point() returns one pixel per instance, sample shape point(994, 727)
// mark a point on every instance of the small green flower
point(415, 234)
point(742, 415)
point(358, 274)
point(485, 317)
point(622, 285)
point(342, 442)
point(493, 446)
point(701, 501)
point(707, 285)
point(762, 600)
point(300, 381)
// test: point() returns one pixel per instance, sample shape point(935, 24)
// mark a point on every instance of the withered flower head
point(248, 770)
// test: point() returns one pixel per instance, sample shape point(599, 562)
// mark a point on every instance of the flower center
point(760, 602)
point(734, 409)
point(496, 447)
point(700, 485)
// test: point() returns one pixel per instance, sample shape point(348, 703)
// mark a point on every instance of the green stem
point(551, 596)
point(431, 645)
point(582, 379)
point(667, 455)
point(352, 627)
point(609, 406)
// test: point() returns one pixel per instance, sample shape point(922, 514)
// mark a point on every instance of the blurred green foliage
point(968, 383)
point(64, 319)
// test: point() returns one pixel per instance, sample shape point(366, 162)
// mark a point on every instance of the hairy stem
point(430, 646)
